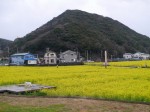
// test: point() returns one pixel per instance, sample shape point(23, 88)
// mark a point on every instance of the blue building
point(23, 59)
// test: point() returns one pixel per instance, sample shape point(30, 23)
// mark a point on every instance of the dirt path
point(76, 105)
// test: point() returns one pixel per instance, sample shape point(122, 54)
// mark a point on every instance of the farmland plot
point(114, 83)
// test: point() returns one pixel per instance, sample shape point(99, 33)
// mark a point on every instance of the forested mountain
point(82, 31)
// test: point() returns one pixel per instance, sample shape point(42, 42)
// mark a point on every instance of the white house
point(50, 57)
point(137, 55)
point(145, 56)
point(140, 55)
point(128, 55)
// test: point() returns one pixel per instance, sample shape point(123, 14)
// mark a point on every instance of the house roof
point(68, 51)
point(144, 54)
point(19, 54)
point(127, 53)
point(50, 52)
point(139, 53)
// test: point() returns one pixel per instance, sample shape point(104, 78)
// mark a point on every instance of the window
point(71, 54)
point(47, 54)
point(72, 60)
point(52, 54)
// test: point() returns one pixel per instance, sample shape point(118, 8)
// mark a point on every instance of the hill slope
point(4, 43)
point(75, 29)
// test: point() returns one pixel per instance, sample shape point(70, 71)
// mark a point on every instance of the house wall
point(127, 56)
point(145, 56)
point(69, 57)
point(50, 58)
point(32, 62)
point(137, 55)
point(19, 60)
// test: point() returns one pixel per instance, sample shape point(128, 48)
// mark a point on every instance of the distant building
point(68, 56)
point(50, 57)
point(140, 55)
point(23, 59)
point(128, 56)
point(136, 56)
point(145, 56)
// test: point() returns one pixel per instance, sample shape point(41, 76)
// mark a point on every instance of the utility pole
point(79, 57)
point(87, 56)
point(106, 62)
point(8, 55)
point(77, 54)
point(101, 55)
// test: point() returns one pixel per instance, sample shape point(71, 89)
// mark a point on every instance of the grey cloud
point(19, 17)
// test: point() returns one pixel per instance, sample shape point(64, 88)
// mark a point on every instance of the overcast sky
point(20, 17)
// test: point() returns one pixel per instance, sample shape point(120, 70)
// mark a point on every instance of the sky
point(20, 17)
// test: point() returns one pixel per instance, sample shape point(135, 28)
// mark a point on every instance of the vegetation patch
point(4, 107)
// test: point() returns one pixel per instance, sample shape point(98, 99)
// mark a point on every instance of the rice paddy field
point(120, 81)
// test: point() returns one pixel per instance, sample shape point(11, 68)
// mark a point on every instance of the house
point(145, 56)
point(137, 55)
point(23, 59)
point(127, 56)
point(68, 56)
point(50, 57)
point(140, 55)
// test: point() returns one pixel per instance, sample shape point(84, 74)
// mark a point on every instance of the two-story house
point(68, 56)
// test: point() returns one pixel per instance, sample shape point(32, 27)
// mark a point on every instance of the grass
point(94, 81)
point(4, 107)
